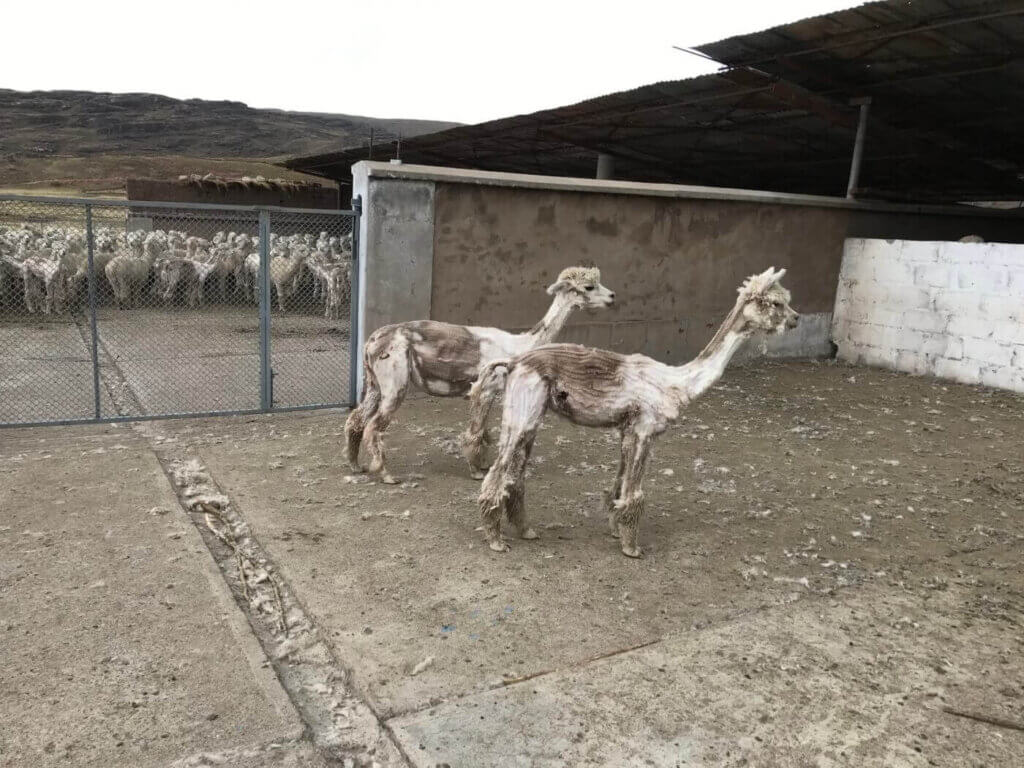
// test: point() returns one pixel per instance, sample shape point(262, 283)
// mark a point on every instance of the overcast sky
point(456, 60)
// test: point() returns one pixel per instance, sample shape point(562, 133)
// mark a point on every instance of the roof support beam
point(858, 146)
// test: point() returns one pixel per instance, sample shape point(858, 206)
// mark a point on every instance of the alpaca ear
point(556, 287)
point(779, 274)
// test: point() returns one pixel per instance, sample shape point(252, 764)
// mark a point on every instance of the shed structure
point(945, 80)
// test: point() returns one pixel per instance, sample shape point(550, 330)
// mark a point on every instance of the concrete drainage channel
point(342, 727)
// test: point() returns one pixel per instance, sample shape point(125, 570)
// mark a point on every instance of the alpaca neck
point(701, 373)
point(554, 320)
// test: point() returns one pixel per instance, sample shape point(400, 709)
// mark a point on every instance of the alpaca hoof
point(632, 552)
point(477, 474)
point(389, 479)
point(498, 546)
point(357, 469)
point(529, 533)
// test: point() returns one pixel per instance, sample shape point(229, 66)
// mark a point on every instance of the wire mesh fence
point(115, 310)
point(311, 276)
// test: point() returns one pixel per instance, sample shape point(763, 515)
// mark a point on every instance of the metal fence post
point(353, 328)
point(90, 248)
point(266, 377)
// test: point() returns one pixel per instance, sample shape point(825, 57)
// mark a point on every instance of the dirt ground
point(832, 576)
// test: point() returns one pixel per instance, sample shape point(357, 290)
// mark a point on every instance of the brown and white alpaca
point(444, 359)
point(592, 387)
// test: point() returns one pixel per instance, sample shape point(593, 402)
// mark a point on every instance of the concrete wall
point(675, 265)
point(954, 310)
point(485, 245)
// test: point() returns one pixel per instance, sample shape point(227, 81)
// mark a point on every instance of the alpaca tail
point(482, 395)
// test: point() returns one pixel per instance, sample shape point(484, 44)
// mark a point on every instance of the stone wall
point(948, 309)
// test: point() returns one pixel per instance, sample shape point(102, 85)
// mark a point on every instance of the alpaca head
point(583, 286)
point(765, 303)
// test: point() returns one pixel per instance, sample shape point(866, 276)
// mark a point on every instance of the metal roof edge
point(382, 170)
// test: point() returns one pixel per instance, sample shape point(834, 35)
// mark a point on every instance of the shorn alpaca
point(444, 359)
point(594, 388)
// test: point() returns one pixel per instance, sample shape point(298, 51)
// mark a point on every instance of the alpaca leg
point(392, 375)
point(362, 413)
point(630, 505)
point(612, 496)
point(516, 504)
point(503, 489)
point(477, 438)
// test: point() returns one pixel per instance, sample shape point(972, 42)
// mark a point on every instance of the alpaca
point(284, 270)
point(127, 274)
point(635, 394)
point(444, 359)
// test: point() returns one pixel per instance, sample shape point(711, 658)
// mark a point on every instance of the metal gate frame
point(266, 375)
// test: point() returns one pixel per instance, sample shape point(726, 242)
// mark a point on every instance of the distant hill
point(56, 138)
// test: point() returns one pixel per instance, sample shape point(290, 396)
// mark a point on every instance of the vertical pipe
point(266, 380)
point(605, 166)
point(92, 314)
point(353, 327)
point(858, 146)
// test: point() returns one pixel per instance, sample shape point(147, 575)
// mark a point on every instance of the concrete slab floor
point(789, 494)
point(861, 680)
point(121, 644)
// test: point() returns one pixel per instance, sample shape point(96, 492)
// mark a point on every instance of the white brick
point(867, 355)
point(1009, 256)
point(1007, 332)
point(932, 276)
point(1018, 357)
point(919, 250)
point(924, 320)
point(974, 325)
point(1015, 285)
point(862, 333)
point(982, 279)
point(1000, 308)
point(941, 345)
point(903, 297)
point(965, 371)
point(990, 352)
point(965, 253)
point(893, 271)
point(880, 249)
point(913, 361)
point(997, 376)
point(882, 316)
point(907, 339)
point(956, 302)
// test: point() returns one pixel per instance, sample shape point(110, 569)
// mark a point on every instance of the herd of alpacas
point(633, 394)
point(47, 267)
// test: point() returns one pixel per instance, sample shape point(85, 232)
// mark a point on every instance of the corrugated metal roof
point(946, 79)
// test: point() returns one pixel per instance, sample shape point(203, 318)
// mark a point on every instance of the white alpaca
point(444, 359)
point(635, 394)
point(127, 275)
point(284, 274)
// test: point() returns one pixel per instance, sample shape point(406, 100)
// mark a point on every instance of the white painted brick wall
point(954, 310)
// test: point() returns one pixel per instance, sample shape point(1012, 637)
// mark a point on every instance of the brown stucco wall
point(675, 264)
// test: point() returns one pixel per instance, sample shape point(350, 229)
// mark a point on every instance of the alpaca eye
point(590, 288)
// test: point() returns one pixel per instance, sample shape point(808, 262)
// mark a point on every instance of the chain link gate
point(116, 310)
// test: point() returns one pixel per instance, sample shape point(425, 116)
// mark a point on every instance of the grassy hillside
point(71, 142)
